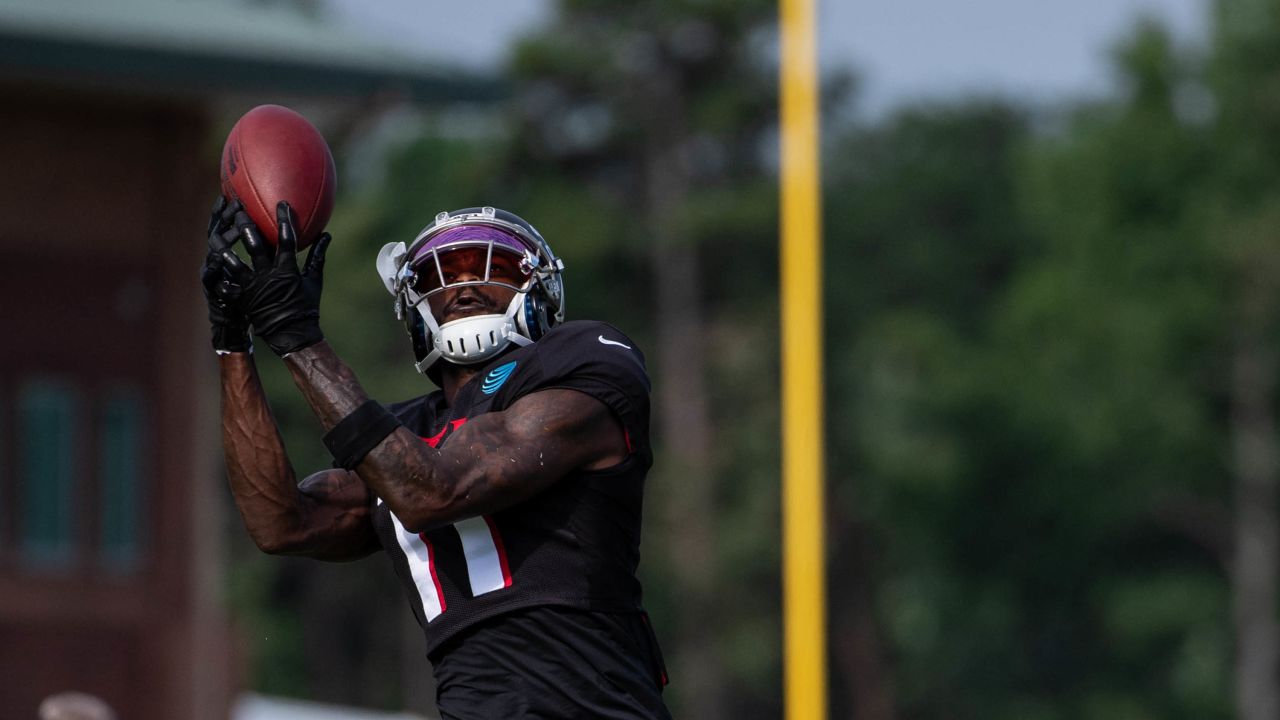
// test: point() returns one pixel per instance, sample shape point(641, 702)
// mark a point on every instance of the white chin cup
point(475, 339)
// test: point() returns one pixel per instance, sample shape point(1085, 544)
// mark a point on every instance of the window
point(119, 464)
point(47, 454)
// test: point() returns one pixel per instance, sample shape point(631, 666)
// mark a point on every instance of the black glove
point(282, 304)
point(230, 326)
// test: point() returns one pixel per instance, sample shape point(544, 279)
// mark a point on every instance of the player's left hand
point(230, 326)
point(282, 303)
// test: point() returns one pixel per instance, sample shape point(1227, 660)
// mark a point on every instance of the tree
point(923, 238)
point(1043, 398)
point(1242, 70)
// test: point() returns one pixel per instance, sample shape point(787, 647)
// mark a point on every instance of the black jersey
point(552, 662)
point(574, 545)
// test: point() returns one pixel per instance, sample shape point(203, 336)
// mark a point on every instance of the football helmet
point(514, 255)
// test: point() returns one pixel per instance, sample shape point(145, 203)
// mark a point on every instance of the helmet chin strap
point(426, 362)
point(471, 340)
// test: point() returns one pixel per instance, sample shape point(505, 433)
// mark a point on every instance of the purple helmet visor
point(470, 235)
point(508, 266)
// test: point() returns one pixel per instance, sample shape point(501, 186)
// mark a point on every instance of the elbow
point(271, 546)
point(430, 503)
point(274, 543)
point(416, 527)
point(423, 516)
point(418, 521)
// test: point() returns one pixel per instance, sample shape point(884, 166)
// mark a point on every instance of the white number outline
point(484, 555)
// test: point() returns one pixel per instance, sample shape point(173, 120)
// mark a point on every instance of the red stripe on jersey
point(627, 436)
point(434, 440)
point(502, 550)
point(431, 565)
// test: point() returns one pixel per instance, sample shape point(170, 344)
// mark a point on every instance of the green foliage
point(275, 639)
point(1029, 334)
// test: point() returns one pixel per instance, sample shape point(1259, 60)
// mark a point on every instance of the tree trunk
point(685, 469)
point(1256, 558)
point(863, 673)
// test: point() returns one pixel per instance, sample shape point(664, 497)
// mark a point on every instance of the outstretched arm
point(492, 462)
point(326, 517)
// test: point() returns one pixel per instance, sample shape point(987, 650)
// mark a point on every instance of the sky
point(902, 50)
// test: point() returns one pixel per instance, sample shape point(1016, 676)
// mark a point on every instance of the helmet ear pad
point(417, 329)
point(532, 320)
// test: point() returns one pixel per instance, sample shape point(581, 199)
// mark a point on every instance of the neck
point(453, 377)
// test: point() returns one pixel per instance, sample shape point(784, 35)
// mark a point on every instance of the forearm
point(402, 469)
point(491, 462)
point(262, 480)
point(329, 386)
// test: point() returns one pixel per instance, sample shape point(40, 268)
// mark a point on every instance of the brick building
point(111, 122)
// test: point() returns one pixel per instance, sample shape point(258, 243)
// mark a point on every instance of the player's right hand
point(282, 304)
point(230, 325)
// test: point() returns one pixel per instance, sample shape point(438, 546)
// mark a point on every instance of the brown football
point(274, 154)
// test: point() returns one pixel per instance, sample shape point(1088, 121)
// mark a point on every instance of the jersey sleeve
point(414, 414)
point(596, 359)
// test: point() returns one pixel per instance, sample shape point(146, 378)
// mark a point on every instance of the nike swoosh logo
point(613, 342)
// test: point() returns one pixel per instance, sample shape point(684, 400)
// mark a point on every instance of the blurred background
point(1052, 285)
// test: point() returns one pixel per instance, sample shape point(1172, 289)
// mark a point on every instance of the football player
point(508, 500)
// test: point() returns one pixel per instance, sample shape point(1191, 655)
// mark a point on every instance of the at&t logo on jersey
point(497, 377)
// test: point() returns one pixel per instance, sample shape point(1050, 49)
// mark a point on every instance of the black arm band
point(358, 433)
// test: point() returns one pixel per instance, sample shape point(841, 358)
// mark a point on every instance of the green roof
point(214, 45)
